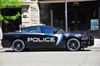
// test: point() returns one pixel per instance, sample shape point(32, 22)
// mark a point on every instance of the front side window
point(31, 30)
point(46, 29)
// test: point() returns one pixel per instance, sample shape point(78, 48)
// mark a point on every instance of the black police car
point(45, 37)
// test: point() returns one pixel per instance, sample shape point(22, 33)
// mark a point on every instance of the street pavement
point(88, 57)
point(50, 58)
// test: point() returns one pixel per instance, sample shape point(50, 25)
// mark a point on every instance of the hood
point(73, 34)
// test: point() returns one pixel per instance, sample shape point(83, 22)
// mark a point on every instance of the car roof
point(35, 26)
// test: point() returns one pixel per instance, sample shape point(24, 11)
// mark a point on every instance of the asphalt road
point(61, 57)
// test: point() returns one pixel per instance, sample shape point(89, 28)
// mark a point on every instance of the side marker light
point(6, 40)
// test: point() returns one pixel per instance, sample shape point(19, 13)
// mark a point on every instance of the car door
point(51, 40)
point(31, 36)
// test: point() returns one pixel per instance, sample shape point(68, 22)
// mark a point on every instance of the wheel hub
point(73, 44)
point(18, 45)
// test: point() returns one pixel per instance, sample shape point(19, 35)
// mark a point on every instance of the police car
point(45, 37)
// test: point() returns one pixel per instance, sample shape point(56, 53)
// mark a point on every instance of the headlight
point(84, 37)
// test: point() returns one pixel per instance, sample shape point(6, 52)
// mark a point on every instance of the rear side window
point(31, 30)
point(45, 29)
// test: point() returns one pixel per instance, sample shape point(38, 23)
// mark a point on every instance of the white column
point(0, 29)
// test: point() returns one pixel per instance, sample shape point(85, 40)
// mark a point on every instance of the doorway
point(59, 18)
point(77, 20)
point(13, 25)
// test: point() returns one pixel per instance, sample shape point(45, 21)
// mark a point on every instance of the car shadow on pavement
point(47, 50)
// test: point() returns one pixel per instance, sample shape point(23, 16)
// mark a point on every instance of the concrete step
point(96, 43)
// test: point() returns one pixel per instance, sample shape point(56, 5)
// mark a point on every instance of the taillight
point(7, 40)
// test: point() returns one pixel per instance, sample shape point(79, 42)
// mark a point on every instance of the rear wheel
point(73, 44)
point(18, 45)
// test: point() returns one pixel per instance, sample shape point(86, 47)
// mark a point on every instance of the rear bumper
point(5, 44)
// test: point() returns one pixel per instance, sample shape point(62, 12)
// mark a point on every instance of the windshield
point(59, 30)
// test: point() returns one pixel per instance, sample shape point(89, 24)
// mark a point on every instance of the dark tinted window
point(45, 29)
point(31, 30)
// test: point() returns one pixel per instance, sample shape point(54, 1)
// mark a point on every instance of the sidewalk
point(96, 43)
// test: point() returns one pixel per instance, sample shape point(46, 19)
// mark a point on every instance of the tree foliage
point(10, 3)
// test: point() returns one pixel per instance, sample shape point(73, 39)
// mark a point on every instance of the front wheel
point(73, 44)
point(18, 45)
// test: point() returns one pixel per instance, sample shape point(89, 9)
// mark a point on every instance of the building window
point(45, 16)
point(94, 18)
point(94, 12)
point(53, 14)
point(44, 5)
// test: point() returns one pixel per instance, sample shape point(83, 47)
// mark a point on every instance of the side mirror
point(55, 31)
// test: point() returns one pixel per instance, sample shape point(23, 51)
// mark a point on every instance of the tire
point(18, 45)
point(73, 44)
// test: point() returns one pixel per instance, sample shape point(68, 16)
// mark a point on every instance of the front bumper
point(89, 42)
point(5, 44)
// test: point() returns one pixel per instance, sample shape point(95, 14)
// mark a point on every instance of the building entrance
point(59, 18)
point(13, 24)
point(54, 15)
point(77, 20)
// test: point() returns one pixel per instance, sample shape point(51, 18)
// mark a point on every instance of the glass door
point(56, 18)
point(82, 22)
point(59, 18)
point(77, 20)
point(71, 22)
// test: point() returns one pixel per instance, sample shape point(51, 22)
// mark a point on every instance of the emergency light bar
point(21, 26)
point(40, 25)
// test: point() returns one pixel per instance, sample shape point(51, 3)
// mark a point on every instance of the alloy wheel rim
point(18, 45)
point(73, 45)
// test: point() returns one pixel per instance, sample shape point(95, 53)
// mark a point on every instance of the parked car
point(45, 37)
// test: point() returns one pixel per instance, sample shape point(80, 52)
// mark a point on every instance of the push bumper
point(89, 42)
point(5, 44)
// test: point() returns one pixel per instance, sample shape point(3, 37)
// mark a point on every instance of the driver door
point(51, 40)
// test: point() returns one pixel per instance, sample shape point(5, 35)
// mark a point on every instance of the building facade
point(83, 15)
point(29, 16)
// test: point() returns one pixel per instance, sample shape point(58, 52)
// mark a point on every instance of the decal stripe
point(60, 39)
point(31, 33)
point(49, 34)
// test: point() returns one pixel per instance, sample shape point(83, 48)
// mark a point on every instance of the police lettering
point(47, 39)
